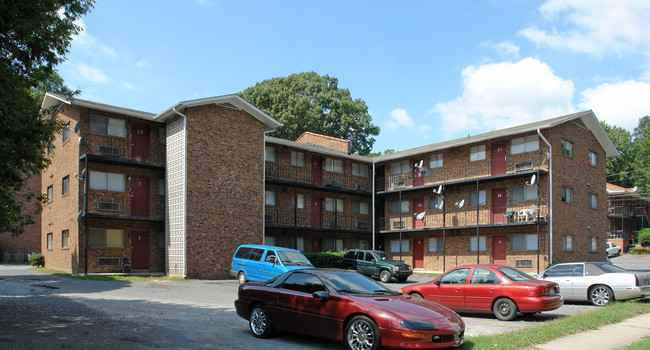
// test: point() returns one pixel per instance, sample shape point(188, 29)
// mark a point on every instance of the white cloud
point(620, 104)
point(89, 45)
point(500, 95)
point(505, 49)
point(400, 118)
point(93, 74)
point(594, 27)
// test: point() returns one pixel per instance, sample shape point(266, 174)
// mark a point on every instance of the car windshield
point(514, 274)
point(354, 283)
point(290, 258)
point(383, 256)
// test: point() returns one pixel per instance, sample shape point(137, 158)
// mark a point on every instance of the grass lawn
point(123, 278)
point(558, 328)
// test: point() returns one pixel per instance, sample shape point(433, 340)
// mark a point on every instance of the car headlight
point(419, 325)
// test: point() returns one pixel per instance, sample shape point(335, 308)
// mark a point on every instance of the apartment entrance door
point(139, 196)
point(418, 253)
point(315, 212)
point(140, 149)
point(498, 205)
point(140, 255)
point(418, 207)
point(499, 249)
point(315, 170)
point(499, 158)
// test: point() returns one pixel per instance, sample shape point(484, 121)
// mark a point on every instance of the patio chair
point(126, 264)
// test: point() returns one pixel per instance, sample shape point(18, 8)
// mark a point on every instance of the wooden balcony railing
point(327, 220)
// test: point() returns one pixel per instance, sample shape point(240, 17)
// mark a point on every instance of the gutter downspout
point(184, 192)
point(264, 196)
point(550, 185)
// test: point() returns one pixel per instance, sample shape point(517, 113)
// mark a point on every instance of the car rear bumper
point(537, 304)
point(631, 292)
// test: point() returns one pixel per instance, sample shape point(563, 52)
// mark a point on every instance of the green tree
point(620, 169)
point(310, 102)
point(641, 148)
point(377, 154)
point(34, 37)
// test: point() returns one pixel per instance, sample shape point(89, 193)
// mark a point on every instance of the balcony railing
point(122, 148)
point(123, 205)
point(304, 175)
point(512, 214)
point(473, 170)
point(283, 218)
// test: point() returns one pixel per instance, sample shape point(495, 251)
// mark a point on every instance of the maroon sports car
point(345, 305)
point(499, 289)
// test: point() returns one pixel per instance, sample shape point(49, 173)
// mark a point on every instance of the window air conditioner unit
point(523, 166)
point(336, 183)
point(268, 218)
point(108, 206)
point(108, 150)
point(361, 225)
point(361, 187)
point(524, 263)
point(398, 224)
point(399, 183)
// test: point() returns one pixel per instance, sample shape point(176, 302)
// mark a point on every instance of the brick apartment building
point(627, 214)
point(18, 248)
point(177, 192)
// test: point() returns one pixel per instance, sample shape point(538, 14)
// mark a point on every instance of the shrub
point(325, 260)
point(644, 237)
point(639, 251)
point(37, 260)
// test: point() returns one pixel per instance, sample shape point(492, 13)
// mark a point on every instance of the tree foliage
point(34, 37)
point(641, 149)
point(632, 167)
point(310, 102)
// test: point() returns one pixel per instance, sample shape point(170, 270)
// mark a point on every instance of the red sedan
point(345, 305)
point(499, 289)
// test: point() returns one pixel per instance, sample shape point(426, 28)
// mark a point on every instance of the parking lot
point(38, 309)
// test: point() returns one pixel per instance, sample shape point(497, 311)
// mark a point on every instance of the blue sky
point(429, 71)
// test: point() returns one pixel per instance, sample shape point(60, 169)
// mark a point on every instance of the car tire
point(362, 333)
point(505, 309)
point(618, 253)
point(600, 295)
point(417, 295)
point(401, 279)
point(259, 321)
point(241, 277)
point(384, 276)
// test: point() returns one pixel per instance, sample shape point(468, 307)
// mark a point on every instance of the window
point(394, 246)
point(477, 198)
point(50, 193)
point(476, 153)
point(435, 244)
point(593, 200)
point(100, 180)
point(593, 244)
point(50, 148)
point(161, 187)
point(49, 241)
point(523, 193)
point(107, 126)
point(359, 170)
point(65, 133)
point(297, 159)
point(300, 243)
point(301, 201)
point(458, 276)
point(435, 161)
point(484, 276)
point(333, 165)
point(304, 283)
point(567, 194)
point(269, 240)
point(567, 148)
point(65, 185)
point(401, 167)
point(360, 207)
point(567, 242)
point(592, 158)
point(473, 244)
point(523, 242)
point(102, 237)
point(395, 206)
point(564, 270)
point(435, 202)
point(329, 205)
point(269, 154)
point(269, 197)
point(65, 235)
point(524, 144)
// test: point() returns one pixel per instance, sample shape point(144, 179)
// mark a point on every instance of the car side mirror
point(437, 283)
point(321, 294)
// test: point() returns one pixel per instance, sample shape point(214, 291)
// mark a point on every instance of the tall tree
point(34, 37)
point(310, 102)
point(641, 150)
point(620, 169)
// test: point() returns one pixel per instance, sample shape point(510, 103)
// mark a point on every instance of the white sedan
point(598, 282)
point(613, 249)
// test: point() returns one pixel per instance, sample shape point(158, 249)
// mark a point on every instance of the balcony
point(329, 221)
point(302, 175)
point(119, 148)
point(122, 205)
point(517, 163)
point(518, 214)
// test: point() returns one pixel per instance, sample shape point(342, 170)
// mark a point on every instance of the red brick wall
point(334, 143)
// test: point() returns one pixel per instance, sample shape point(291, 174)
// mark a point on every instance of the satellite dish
point(634, 189)
point(80, 215)
point(532, 209)
point(461, 203)
point(532, 179)
point(81, 139)
point(76, 127)
point(420, 216)
point(83, 174)
point(438, 190)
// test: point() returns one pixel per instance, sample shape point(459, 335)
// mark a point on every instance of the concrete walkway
point(613, 336)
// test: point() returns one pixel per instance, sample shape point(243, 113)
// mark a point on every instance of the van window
point(369, 257)
point(249, 253)
point(271, 257)
point(242, 252)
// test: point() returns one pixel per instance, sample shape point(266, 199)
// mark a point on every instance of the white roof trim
point(52, 99)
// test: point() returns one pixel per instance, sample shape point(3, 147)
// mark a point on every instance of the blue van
point(262, 262)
